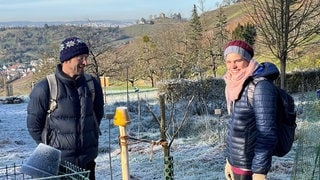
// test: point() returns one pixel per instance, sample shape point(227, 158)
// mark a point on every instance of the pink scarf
point(234, 85)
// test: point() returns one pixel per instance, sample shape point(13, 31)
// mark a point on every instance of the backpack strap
point(52, 81)
point(252, 86)
point(89, 80)
point(90, 85)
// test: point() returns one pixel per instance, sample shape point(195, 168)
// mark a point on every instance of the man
point(73, 126)
point(252, 134)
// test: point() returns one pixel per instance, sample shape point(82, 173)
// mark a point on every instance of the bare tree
point(97, 47)
point(170, 56)
point(96, 51)
point(47, 63)
point(116, 62)
point(285, 25)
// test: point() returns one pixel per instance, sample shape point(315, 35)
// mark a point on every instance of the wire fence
point(307, 162)
point(67, 171)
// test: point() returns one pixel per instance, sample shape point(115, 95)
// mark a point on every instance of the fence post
point(9, 89)
point(121, 119)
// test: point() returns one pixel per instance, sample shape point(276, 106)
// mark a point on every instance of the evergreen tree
point(237, 33)
point(194, 45)
point(247, 33)
point(250, 33)
point(218, 41)
point(195, 24)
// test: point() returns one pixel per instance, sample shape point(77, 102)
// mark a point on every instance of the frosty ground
point(194, 157)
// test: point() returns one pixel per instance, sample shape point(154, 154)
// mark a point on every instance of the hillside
point(158, 24)
point(28, 44)
point(234, 14)
point(20, 86)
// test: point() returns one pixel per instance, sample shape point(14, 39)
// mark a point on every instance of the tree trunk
point(283, 73)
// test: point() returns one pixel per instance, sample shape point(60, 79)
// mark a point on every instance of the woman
point(251, 135)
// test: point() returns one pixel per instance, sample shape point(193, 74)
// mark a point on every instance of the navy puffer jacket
point(72, 127)
point(252, 130)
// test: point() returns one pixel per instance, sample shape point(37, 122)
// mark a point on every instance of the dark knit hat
point(240, 47)
point(72, 47)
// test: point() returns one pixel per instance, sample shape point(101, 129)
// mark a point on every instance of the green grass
point(130, 88)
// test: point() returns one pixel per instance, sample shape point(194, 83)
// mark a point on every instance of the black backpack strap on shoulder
point(90, 84)
point(89, 80)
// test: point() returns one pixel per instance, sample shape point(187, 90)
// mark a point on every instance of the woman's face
point(235, 63)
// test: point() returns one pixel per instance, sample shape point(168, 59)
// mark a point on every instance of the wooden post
point(104, 82)
point(163, 137)
point(121, 119)
point(168, 160)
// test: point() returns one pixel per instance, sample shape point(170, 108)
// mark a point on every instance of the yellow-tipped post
point(122, 119)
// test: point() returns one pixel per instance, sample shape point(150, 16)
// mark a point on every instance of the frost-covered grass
point(197, 151)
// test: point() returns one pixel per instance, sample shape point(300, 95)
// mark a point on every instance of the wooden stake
point(124, 153)
point(121, 119)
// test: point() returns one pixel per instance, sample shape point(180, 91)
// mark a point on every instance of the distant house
point(14, 71)
point(162, 15)
point(142, 21)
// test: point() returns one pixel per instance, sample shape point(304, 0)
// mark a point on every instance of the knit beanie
point(72, 47)
point(240, 47)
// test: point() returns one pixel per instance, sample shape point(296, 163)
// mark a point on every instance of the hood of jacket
point(268, 70)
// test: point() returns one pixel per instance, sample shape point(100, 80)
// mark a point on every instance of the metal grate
point(67, 171)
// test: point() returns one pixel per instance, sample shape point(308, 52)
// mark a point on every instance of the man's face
point(235, 63)
point(75, 66)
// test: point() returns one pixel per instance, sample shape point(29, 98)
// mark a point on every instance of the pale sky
point(69, 10)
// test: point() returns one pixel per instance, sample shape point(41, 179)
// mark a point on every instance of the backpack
point(52, 81)
point(286, 118)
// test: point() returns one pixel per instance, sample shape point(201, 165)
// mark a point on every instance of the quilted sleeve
point(99, 101)
point(265, 108)
point(37, 110)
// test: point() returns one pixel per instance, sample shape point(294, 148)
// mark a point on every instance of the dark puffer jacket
point(252, 130)
point(72, 127)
